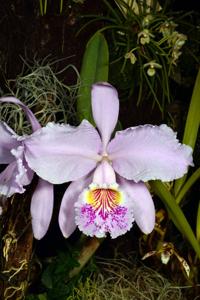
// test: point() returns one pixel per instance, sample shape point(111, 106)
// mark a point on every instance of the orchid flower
point(107, 193)
point(17, 174)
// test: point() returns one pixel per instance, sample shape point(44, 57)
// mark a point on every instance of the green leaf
point(193, 178)
point(61, 6)
point(175, 213)
point(42, 296)
point(41, 7)
point(198, 224)
point(94, 69)
point(47, 277)
point(45, 7)
point(193, 117)
point(191, 126)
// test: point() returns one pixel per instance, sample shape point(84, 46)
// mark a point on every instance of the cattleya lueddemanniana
point(107, 193)
point(17, 174)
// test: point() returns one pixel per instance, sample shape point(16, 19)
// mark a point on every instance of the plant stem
point(87, 251)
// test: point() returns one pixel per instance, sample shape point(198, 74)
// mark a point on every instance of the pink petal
point(142, 204)
point(24, 173)
point(62, 153)
point(149, 152)
point(8, 141)
point(67, 212)
point(104, 174)
point(105, 108)
point(41, 208)
point(14, 177)
point(32, 119)
point(8, 184)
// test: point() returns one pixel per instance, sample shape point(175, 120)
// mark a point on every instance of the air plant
point(40, 89)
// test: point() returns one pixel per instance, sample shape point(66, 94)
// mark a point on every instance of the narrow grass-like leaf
point(61, 6)
point(193, 178)
point(191, 126)
point(45, 7)
point(176, 214)
point(198, 224)
point(113, 11)
point(193, 118)
point(41, 7)
point(151, 88)
point(94, 68)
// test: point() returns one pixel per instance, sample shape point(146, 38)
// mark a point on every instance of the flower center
point(103, 200)
point(106, 158)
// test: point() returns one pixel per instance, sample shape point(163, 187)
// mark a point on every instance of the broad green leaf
point(175, 213)
point(191, 126)
point(94, 68)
